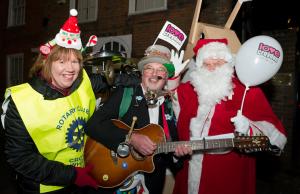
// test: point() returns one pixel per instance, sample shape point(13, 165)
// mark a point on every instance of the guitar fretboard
point(212, 144)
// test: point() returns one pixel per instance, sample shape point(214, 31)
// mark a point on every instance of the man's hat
point(157, 54)
point(212, 48)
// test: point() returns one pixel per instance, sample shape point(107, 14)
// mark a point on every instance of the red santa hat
point(69, 34)
point(212, 48)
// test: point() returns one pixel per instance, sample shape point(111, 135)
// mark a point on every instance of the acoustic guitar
point(111, 170)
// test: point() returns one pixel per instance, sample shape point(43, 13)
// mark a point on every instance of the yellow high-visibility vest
point(56, 126)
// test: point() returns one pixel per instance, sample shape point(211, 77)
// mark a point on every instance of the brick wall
point(281, 90)
point(44, 18)
point(216, 12)
point(146, 27)
point(36, 31)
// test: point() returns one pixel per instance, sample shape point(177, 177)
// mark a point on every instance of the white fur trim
point(195, 169)
point(268, 129)
point(199, 128)
point(175, 105)
point(214, 50)
point(173, 83)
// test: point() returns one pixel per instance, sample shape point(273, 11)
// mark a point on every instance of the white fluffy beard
point(212, 86)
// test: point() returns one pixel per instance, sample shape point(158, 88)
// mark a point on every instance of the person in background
point(155, 68)
point(44, 119)
point(207, 106)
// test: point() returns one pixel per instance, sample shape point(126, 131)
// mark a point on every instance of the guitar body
point(110, 170)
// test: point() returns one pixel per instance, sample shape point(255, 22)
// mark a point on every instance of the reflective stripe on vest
point(56, 126)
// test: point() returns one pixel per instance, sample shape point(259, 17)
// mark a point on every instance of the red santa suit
point(228, 172)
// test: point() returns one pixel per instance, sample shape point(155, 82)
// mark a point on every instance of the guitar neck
point(204, 145)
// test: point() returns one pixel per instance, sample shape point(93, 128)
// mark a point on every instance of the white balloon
point(258, 60)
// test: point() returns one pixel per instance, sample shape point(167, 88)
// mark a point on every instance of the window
point(120, 44)
point(144, 6)
point(87, 9)
point(114, 46)
point(14, 69)
point(16, 13)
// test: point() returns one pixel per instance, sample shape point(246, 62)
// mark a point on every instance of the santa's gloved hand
point(177, 62)
point(83, 178)
point(241, 123)
point(179, 66)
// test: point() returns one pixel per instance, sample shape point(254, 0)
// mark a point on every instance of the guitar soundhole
point(136, 155)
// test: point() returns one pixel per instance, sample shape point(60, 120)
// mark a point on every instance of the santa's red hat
point(212, 48)
point(69, 34)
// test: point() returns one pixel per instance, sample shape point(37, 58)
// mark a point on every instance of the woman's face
point(65, 71)
point(154, 76)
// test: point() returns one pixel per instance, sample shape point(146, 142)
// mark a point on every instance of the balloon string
point(246, 89)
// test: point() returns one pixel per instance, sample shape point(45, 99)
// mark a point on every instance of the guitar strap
point(126, 100)
point(125, 103)
point(170, 119)
point(165, 123)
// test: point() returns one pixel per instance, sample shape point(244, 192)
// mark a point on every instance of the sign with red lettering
point(172, 34)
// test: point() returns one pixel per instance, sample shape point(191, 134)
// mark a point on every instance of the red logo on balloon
point(268, 52)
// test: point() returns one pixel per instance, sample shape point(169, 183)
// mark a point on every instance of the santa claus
point(208, 105)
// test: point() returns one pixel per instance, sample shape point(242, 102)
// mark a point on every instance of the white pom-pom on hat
point(73, 12)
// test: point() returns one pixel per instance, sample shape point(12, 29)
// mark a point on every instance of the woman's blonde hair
point(43, 63)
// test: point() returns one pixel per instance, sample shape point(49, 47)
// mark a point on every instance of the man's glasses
point(159, 71)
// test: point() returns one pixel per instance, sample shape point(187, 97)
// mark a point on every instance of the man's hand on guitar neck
point(182, 150)
point(142, 144)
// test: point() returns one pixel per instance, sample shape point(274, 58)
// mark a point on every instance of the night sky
point(257, 16)
point(268, 14)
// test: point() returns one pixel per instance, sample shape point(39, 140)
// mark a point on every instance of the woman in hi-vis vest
point(44, 119)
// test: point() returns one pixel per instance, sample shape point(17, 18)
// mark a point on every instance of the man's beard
point(212, 86)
